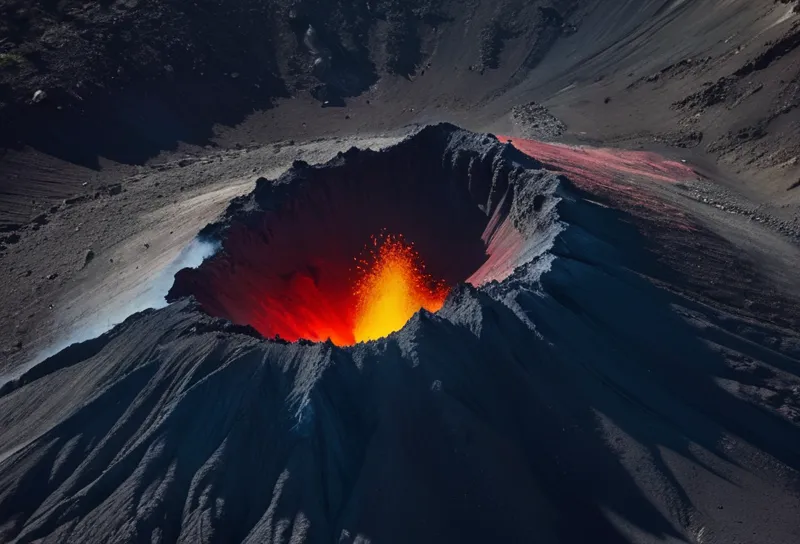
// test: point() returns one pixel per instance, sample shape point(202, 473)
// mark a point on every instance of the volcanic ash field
point(453, 339)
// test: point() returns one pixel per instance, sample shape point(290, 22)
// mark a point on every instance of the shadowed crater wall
point(290, 251)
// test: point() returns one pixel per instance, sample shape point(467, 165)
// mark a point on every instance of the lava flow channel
point(384, 289)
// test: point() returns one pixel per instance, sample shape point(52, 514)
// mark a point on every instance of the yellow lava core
point(392, 288)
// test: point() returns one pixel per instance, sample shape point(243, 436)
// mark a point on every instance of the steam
point(149, 295)
point(154, 296)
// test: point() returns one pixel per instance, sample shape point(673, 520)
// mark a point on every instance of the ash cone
point(581, 382)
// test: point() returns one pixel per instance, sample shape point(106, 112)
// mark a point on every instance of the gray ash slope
point(572, 402)
point(127, 80)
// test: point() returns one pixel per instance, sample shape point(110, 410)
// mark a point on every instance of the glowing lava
point(292, 296)
point(392, 288)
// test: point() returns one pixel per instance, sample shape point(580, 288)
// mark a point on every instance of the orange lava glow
point(392, 287)
point(325, 298)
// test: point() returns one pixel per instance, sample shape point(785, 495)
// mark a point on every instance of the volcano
point(400, 271)
point(350, 251)
point(575, 364)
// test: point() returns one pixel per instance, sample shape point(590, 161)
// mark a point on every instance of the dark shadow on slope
point(538, 401)
point(136, 124)
point(602, 270)
point(129, 80)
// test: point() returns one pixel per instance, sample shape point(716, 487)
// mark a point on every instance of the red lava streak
point(612, 172)
point(602, 165)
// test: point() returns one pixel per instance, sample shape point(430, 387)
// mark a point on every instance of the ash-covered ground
point(616, 361)
point(586, 371)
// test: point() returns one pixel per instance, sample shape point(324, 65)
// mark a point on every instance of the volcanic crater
point(348, 251)
point(570, 374)
point(593, 336)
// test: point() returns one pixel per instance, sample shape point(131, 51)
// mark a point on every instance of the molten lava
point(393, 286)
point(324, 298)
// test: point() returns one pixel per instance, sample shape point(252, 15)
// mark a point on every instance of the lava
point(590, 166)
point(384, 285)
point(303, 257)
point(388, 286)
point(393, 286)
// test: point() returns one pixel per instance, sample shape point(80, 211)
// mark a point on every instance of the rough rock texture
point(127, 80)
point(533, 121)
point(473, 210)
point(592, 395)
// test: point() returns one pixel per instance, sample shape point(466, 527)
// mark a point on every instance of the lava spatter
point(392, 287)
point(370, 299)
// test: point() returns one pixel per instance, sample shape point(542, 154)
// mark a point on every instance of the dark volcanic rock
point(124, 79)
point(467, 204)
point(534, 121)
point(571, 400)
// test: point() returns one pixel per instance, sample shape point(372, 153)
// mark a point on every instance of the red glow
point(373, 298)
point(598, 165)
point(616, 173)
